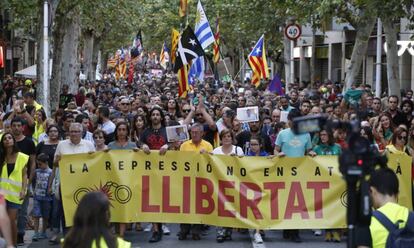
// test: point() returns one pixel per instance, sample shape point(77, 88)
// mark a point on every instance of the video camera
point(355, 163)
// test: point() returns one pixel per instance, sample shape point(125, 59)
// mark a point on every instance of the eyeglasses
point(402, 137)
point(74, 131)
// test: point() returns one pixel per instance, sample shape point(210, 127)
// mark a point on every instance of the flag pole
point(245, 61)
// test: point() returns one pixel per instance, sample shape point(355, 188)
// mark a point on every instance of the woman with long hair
point(122, 142)
point(91, 225)
point(40, 124)
point(139, 123)
point(399, 142)
point(327, 146)
point(14, 170)
point(173, 108)
point(383, 130)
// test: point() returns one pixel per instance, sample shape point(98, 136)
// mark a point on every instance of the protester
point(5, 228)
point(14, 168)
point(74, 145)
point(42, 198)
point(384, 190)
point(227, 148)
point(195, 144)
point(292, 145)
point(91, 224)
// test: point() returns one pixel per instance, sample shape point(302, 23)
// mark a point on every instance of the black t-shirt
point(64, 100)
point(27, 147)
point(154, 138)
point(209, 134)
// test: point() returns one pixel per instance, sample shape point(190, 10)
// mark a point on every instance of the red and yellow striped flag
point(175, 37)
point(216, 46)
point(123, 69)
point(182, 75)
point(183, 8)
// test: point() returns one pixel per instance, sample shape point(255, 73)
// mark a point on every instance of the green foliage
point(24, 13)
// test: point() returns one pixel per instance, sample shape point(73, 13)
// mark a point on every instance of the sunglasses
point(402, 137)
point(124, 103)
point(187, 110)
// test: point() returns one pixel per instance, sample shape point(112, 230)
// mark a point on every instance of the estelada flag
point(258, 62)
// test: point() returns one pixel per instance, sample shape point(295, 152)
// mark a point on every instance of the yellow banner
point(247, 192)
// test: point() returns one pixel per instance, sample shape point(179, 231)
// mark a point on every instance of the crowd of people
point(110, 115)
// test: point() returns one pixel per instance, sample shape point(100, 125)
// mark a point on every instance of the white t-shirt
point(235, 150)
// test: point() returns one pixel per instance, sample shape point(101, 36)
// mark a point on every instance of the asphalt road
point(271, 239)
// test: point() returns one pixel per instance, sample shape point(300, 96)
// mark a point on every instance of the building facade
point(334, 50)
point(19, 47)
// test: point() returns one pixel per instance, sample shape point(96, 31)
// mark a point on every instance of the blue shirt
point(293, 145)
point(41, 179)
point(261, 154)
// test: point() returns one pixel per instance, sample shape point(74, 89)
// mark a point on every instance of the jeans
point(22, 216)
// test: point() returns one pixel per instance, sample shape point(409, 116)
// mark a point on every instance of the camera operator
point(384, 188)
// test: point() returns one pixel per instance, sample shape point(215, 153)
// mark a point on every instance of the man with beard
point(154, 137)
point(397, 117)
point(294, 99)
point(284, 104)
point(105, 123)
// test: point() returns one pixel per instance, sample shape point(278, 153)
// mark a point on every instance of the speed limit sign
point(293, 31)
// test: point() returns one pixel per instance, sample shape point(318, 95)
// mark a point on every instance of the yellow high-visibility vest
point(12, 185)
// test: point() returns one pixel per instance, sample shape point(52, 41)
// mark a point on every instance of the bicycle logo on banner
point(114, 191)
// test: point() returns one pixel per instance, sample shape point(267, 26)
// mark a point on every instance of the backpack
point(397, 237)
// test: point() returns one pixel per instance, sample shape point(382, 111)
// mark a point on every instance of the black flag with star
point(188, 48)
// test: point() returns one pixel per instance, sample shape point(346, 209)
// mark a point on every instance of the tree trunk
point(364, 30)
point(390, 31)
point(95, 57)
point(88, 49)
point(55, 81)
point(70, 58)
point(39, 64)
point(104, 60)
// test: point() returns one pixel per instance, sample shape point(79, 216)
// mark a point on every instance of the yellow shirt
point(392, 149)
point(190, 146)
point(394, 213)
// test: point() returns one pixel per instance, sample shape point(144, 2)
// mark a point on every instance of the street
point(272, 239)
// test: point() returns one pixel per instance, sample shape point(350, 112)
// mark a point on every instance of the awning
point(30, 72)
